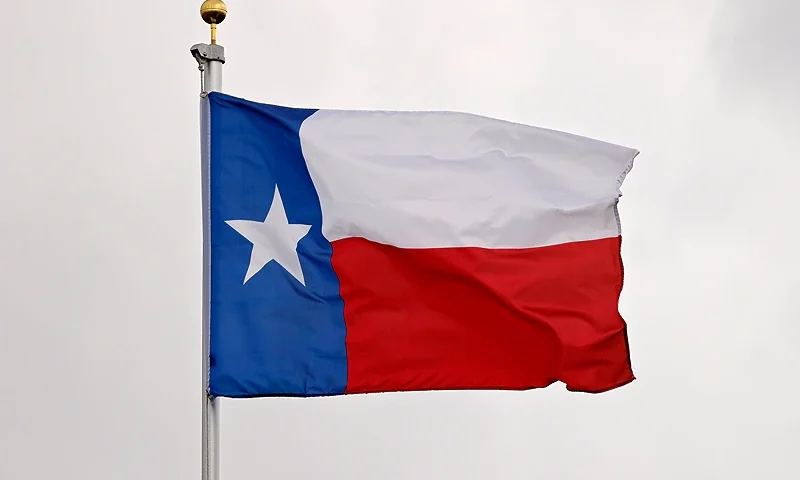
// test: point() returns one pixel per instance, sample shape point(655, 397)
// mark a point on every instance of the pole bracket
point(204, 53)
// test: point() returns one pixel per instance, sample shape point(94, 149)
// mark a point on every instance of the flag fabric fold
point(363, 251)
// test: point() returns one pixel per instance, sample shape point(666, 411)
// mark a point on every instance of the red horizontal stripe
point(475, 318)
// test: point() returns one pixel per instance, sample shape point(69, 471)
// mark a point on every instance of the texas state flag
point(373, 251)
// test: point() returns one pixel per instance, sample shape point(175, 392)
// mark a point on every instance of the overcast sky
point(100, 248)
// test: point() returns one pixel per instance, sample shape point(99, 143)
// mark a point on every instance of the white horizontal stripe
point(440, 179)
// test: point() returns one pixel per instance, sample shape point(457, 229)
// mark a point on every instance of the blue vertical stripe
point(271, 336)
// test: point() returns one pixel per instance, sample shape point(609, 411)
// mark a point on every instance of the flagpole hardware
point(213, 13)
point(205, 54)
point(210, 59)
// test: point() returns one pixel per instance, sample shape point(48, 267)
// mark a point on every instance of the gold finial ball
point(213, 11)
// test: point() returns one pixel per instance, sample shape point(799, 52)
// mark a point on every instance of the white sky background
point(100, 233)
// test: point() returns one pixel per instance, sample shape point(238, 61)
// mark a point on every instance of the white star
point(273, 239)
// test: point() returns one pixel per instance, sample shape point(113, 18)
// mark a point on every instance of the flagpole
point(210, 58)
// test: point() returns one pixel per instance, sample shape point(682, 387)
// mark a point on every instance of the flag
point(376, 251)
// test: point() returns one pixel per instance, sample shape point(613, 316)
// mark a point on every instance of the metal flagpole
point(210, 58)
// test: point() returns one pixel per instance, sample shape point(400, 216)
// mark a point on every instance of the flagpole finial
point(213, 13)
